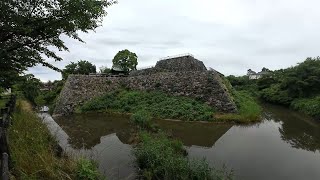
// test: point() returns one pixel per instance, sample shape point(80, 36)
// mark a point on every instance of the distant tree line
point(297, 86)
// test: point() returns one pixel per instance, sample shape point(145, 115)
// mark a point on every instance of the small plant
point(142, 119)
point(86, 169)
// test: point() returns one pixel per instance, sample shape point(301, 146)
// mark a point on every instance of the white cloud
point(230, 35)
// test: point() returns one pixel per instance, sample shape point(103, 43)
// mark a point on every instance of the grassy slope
point(249, 109)
point(159, 105)
point(32, 150)
point(163, 106)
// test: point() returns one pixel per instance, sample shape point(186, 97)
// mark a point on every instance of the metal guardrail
point(5, 121)
point(176, 56)
point(145, 67)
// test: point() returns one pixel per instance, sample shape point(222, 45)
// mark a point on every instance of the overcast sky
point(230, 36)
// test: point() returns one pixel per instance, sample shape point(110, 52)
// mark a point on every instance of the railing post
point(5, 166)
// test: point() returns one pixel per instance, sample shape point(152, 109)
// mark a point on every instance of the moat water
point(284, 145)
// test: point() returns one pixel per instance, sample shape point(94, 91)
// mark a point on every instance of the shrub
point(161, 158)
point(142, 119)
point(310, 106)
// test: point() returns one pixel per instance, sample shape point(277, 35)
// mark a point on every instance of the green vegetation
point(3, 100)
point(248, 108)
point(34, 155)
point(310, 106)
point(87, 169)
point(29, 32)
point(159, 157)
point(81, 67)
point(158, 104)
point(126, 60)
point(296, 87)
point(142, 119)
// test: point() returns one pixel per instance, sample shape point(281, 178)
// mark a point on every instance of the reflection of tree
point(299, 131)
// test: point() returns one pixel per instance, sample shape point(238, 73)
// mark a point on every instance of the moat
point(284, 145)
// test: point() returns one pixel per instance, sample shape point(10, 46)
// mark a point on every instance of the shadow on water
point(285, 145)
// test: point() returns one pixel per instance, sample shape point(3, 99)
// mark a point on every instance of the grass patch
point(87, 169)
point(159, 157)
point(33, 150)
point(310, 106)
point(157, 104)
point(248, 109)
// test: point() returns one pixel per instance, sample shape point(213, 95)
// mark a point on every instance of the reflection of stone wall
point(205, 86)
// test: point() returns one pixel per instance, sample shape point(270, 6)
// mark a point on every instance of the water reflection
point(285, 145)
point(103, 138)
point(296, 129)
point(85, 130)
point(194, 133)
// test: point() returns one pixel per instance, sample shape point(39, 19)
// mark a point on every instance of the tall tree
point(30, 27)
point(81, 67)
point(126, 60)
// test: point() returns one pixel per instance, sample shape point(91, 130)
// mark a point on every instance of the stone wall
point(178, 64)
point(205, 86)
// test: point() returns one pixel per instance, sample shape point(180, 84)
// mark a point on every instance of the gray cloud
point(230, 36)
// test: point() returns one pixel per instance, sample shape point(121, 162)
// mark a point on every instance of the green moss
point(158, 104)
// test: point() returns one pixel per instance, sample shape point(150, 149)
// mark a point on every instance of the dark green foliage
point(310, 106)
point(296, 86)
point(81, 67)
point(159, 157)
point(29, 86)
point(142, 119)
point(300, 81)
point(126, 60)
point(30, 27)
point(243, 83)
point(275, 94)
point(158, 104)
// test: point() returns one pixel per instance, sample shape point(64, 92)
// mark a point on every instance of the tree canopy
point(32, 29)
point(126, 60)
point(81, 67)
